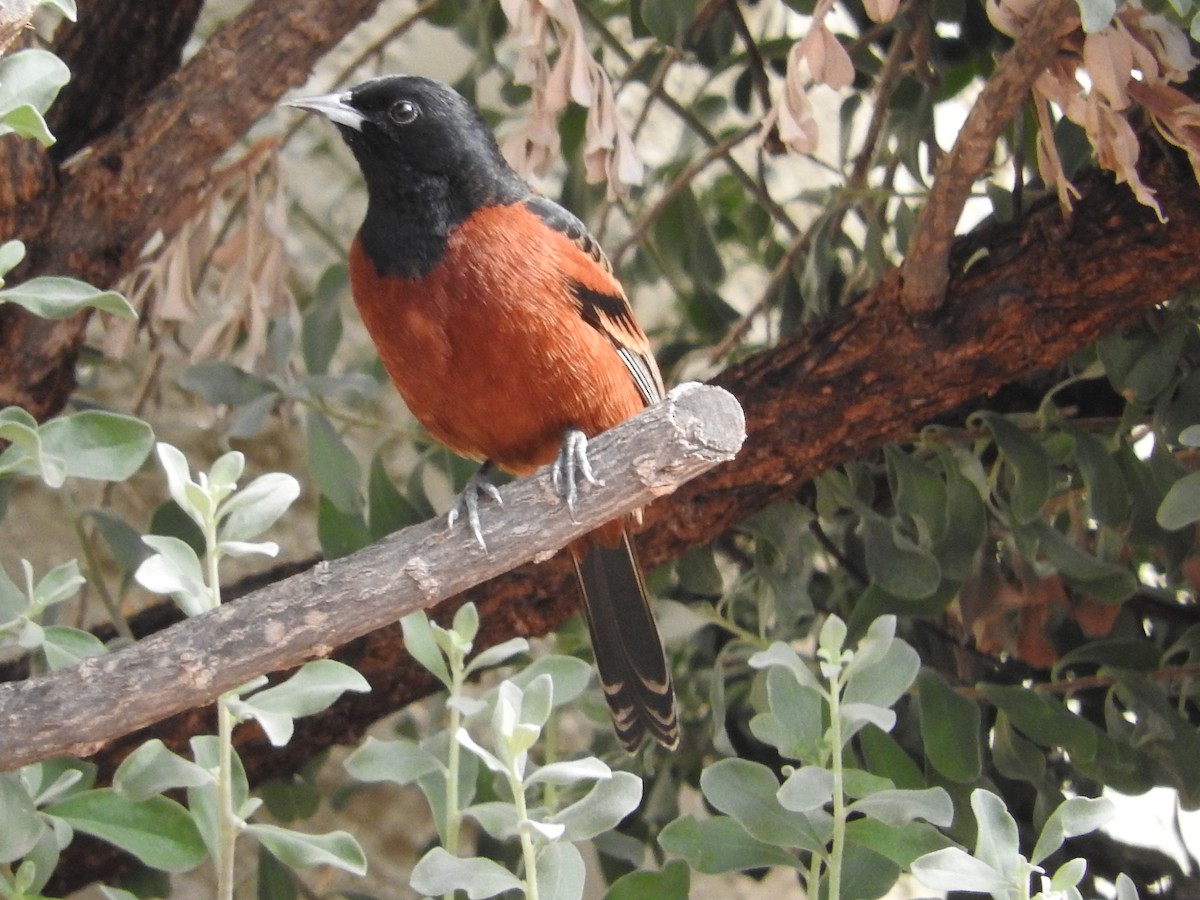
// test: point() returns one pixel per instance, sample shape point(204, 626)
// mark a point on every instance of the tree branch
point(76, 710)
point(925, 268)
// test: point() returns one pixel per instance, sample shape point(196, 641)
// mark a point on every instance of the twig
point(1090, 682)
point(697, 125)
point(889, 77)
point(926, 269)
point(309, 615)
point(647, 218)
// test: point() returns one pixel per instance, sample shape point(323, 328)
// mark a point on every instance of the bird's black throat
point(411, 213)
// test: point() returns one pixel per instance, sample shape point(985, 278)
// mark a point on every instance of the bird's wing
point(601, 301)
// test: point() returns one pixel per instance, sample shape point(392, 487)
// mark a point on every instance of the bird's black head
point(427, 155)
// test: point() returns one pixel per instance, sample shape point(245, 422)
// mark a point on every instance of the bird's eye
point(403, 111)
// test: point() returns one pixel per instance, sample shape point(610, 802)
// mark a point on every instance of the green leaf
point(439, 873)
point(334, 468)
point(400, 762)
point(900, 807)
point(158, 831)
point(27, 122)
point(1099, 578)
point(1014, 756)
point(13, 601)
point(423, 647)
point(966, 521)
point(601, 809)
point(570, 676)
point(895, 563)
point(99, 445)
point(11, 254)
point(202, 800)
point(175, 570)
point(124, 541)
point(223, 383)
point(996, 841)
point(671, 882)
point(793, 724)
point(1044, 720)
point(387, 510)
point(25, 456)
point(56, 297)
point(720, 845)
point(884, 678)
point(953, 869)
point(65, 646)
point(275, 881)
point(57, 585)
point(668, 20)
point(806, 789)
point(1155, 368)
point(499, 654)
point(1074, 816)
point(560, 872)
point(152, 769)
point(257, 506)
point(251, 418)
point(866, 874)
point(884, 756)
point(950, 728)
point(29, 81)
point(919, 493)
point(321, 331)
point(340, 533)
point(780, 654)
point(1181, 506)
point(1028, 462)
point(313, 688)
point(22, 826)
point(1107, 497)
point(750, 793)
point(698, 573)
point(900, 845)
point(466, 623)
point(301, 851)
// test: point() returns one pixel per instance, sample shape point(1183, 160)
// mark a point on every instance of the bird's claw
point(468, 502)
point(572, 463)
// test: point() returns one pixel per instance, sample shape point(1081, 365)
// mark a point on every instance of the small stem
point(732, 627)
point(453, 816)
point(95, 578)
point(549, 755)
point(812, 887)
point(228, 824)
point(528, 851)
point(837, 849)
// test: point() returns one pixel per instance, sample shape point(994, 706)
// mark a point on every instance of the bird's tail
point(629, 653)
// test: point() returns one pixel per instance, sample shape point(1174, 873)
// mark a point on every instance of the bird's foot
point(570, 465)
point(468, 502)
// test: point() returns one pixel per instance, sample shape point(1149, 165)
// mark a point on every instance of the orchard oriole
point(498, 318)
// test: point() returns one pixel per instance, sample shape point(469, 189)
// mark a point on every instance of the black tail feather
point(629, 653)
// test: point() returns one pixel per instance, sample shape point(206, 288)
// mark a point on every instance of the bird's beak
point(334, 107)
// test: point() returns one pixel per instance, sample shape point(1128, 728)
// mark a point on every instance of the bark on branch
point(76, 710)
point(925, 270)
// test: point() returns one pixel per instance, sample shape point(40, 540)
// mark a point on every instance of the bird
point(501, 323)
